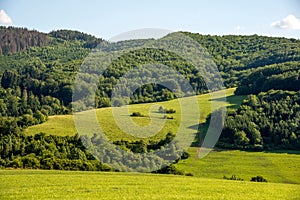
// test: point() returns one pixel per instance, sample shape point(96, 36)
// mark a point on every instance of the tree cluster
point(46, 152)
point(283, 76)
point(269, 120)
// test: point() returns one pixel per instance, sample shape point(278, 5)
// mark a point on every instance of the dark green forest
point(37, 71)
point(269, 120)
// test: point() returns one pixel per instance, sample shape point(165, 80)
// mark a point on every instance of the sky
point(106, 19)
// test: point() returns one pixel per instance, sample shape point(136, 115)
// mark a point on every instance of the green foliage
point(233, 177)
point(89, 40)
point(284, 76)
point(171, 169)
point(142, 146)
point(136, 114)
point(165, 110)
point(46, 152)
point(237, 56)
point(268, 120)
point(54, 67)
point(258, 179)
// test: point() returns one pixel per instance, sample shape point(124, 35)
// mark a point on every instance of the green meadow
point(63, 125)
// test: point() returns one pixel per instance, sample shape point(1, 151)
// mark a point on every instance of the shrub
point(189, 174)
point(136, 114)
point(16, 163)
point(2, 163)
point(258, 179)
point(185, 155)
point(171, 169)
point(233, 177)
point(30, 161)
point(168, 111)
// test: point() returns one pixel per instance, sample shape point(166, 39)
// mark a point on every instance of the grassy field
point(64, 124)
point(275, 167)
point(26, 184)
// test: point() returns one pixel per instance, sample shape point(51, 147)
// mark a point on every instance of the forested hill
point(45, 67)
point(90, 41)
point(238, 56)
point(37, 71)
point(13, 39)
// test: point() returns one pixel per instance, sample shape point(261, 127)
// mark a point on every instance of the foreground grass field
point(26, 184)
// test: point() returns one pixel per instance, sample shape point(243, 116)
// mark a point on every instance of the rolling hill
point(261, 135)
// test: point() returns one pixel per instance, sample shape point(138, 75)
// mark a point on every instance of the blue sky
point(108, 18)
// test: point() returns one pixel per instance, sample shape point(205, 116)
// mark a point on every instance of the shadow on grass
point(200, 135)
point(234, 100)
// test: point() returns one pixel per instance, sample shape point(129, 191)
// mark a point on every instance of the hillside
point(37, 82)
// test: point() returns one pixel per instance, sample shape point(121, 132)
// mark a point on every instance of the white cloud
point(4, 18)
point(289, 22)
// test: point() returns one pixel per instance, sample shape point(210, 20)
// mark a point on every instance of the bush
point(233, 177)
point(168, 111)
point(171, 169)
point(185, 155)
point(136, 114)
point(189, 174)
point(2, 163)
point(30, 161)
point(258, 179)
point(16, 163)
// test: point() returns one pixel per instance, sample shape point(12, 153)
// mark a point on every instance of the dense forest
point(283, 76)
point(269, 120)
point(37, 71)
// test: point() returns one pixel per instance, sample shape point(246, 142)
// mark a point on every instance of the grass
point(37, 184)
point(64, 124)
point(275, 167)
